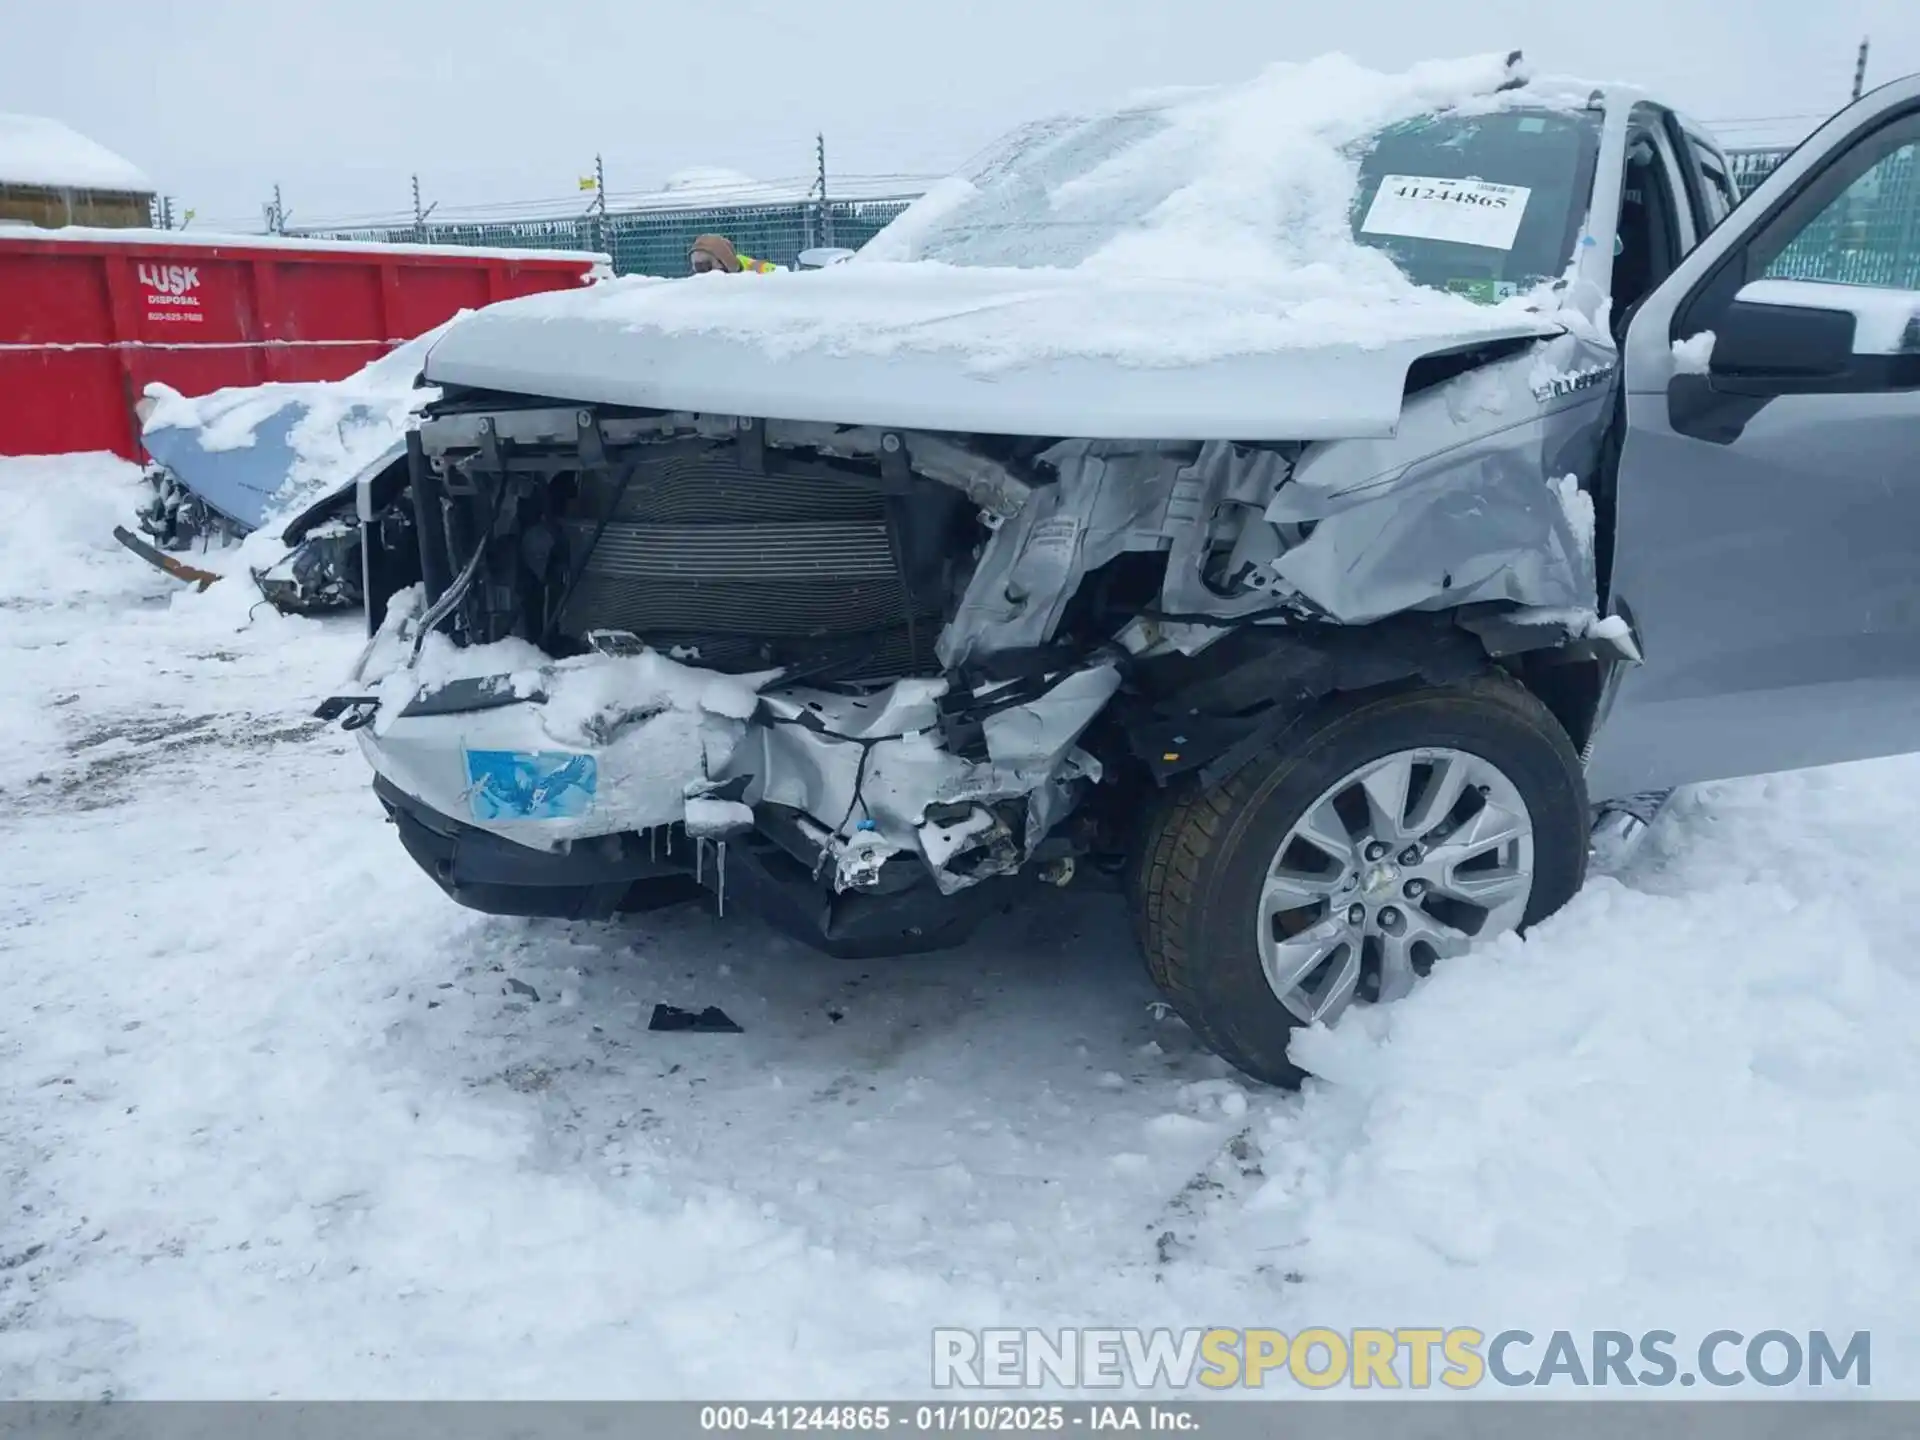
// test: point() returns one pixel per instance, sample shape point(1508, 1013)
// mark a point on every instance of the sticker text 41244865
point(1467, 212)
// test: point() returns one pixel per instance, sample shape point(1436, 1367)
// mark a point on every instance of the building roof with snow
point(41, 153)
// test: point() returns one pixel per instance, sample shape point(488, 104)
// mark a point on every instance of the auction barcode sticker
point(1468, 212)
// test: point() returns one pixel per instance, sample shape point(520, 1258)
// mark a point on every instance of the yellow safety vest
point(751, 266)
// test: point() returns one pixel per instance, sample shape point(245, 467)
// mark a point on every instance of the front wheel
point(1374, 838)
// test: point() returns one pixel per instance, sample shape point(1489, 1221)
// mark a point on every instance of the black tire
point(1205, 860)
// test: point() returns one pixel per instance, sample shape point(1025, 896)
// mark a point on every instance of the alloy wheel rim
point(1406, 861)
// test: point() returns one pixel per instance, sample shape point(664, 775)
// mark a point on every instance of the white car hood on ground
point(265, 453)
point(998, 351)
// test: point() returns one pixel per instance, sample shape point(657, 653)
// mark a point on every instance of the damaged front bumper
point(804, 568)
point(853, 816)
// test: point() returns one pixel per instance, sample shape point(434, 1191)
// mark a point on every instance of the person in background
point(716, 252)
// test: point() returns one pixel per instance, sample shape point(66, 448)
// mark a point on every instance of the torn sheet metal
point(1113, 497)
point(320, 573)
point(1455, 531)
point(873, 771)
point(1109, 498)
point(602, 745)
point(1467, 504)
point(1451, 509)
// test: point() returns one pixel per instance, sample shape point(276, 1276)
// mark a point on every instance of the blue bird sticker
point(530, 784)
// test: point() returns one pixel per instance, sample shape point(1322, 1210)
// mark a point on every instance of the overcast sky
point(496, 100)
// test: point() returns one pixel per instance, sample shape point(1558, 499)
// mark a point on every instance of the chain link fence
point(1869, 235)
point(1750, 167)
point(655, 240)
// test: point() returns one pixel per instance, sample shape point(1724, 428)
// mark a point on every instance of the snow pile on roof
point(1228, 233)
point(37, 151)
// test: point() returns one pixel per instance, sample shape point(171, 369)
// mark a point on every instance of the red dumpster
point(89, 317)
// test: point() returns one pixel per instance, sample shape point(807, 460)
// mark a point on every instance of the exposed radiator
point(752, 554)
point(742, 571)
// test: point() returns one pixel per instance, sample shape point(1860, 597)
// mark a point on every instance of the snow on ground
point(278, 1119)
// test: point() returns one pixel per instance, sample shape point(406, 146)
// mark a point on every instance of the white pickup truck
point(1308, 500)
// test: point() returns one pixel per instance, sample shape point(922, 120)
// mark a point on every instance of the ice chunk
point(708, 818)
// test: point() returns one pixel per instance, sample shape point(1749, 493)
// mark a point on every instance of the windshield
point(1482, 204)
point(1485, 205)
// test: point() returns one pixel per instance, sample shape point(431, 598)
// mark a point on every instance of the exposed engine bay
point(865, 670)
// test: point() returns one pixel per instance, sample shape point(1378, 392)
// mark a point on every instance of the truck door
point(1766, 537)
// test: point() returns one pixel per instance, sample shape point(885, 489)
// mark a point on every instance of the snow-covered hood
point(1183, 267)
point(997, 351)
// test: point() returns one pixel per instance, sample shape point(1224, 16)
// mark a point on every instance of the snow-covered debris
point(329, 431)
point(35, 150)
point(257, 457)
point(385, 663)
point(1693, 355)
point(229, 417)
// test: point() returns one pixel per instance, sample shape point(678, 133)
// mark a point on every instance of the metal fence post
point(600, 207)
point(826, 205)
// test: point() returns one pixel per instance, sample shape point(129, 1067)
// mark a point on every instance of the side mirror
point(1760, 340)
